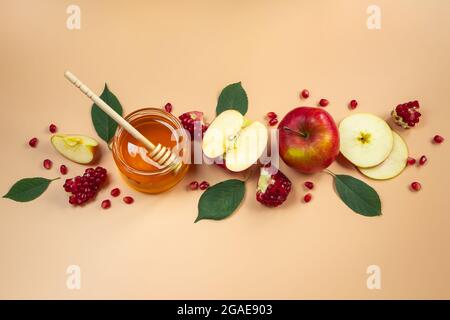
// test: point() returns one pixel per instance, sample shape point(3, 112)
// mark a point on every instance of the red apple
point(308, 139)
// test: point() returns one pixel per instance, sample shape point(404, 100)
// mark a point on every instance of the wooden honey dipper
point(160, 154)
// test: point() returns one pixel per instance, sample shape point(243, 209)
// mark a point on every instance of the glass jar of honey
point(131, 157)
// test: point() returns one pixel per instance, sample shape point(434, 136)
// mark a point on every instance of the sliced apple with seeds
point(240, 141)
point(393, 165)
point(225, 125)
point(366, 140)
point(77, 148)
point(246, 149)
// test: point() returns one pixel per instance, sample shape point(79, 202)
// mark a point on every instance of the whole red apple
point(308, 139)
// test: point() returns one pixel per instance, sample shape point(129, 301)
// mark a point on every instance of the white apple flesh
point(366, 140)
point(77, 148)
point(246, 148)
point(393, 165)
point(224, 126)
point(235, 138)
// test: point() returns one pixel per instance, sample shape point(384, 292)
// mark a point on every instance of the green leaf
point(358, 196)
point(221, 200)
point(103, 124)
point(28, 189)
point(233, 97)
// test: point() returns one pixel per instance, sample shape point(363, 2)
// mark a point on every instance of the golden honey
point(131, 157)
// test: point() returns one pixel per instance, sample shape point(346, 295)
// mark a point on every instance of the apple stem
point(302, 134)
point(329, 172)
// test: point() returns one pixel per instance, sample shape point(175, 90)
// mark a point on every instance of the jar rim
point(173, 121)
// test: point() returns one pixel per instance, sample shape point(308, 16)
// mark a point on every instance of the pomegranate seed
point(353, 104)
point(128, 200)
point(33, 142)
point(307, 198)
point(423, 160)
point(63, 169)
point(48, 164)
point(86, 187)
point(73, 199)
point(273, 121)
point(309, 185)
point(168, 107)
point(271, 115)
point(193, 185)
point(438, 139)
point(305, 94)
point(106, 204)
point(52, 128)
point(204, 185)
point(323, 102)
point(115, 192)
point(411, 161)
point(416, 186)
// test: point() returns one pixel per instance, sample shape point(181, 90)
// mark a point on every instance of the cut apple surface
point(366, 140)
point(238, 140)
point(393, 165)
point(247, 148)
point(226, 125)
point(77, 148)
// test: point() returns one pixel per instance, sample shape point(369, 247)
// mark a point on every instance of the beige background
point(185, 52)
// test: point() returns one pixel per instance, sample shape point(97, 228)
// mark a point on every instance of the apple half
point(393, 165)
point(238, 140)
point(366, 140)
point(77, 148)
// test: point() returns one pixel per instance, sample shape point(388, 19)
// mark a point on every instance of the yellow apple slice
point(77, 148)
point(224, 127)
point(393, 165)
point(366, 140)
point(247, 148)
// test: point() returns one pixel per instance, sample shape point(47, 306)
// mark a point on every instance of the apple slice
point(393, 165)
point(238, 140)
point(227, 124)
point(77, 148)
point(366, 140)
point(247, 148)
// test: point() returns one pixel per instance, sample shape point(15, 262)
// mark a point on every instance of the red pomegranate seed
point(271, 115)
point(52, 128)
point(353, 104)
point(106, 204)
point(438, 139)
point(423, 160)
point(416, 186)
point(85, 187)
point(273, 121)
point(305, 94)
point(48, 164)
point(168, 107)
point(115, 192)
point(204, 185)
point(63, 169)
point(128, 200)
point(323, 102)
point(33, 142)
point(309, 185)
point(411, 161)
point(193, 185)
point(307, 198)
point(73, 199)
